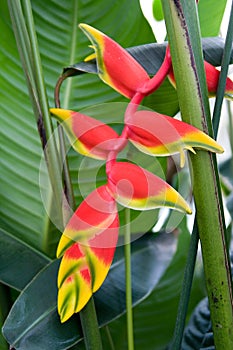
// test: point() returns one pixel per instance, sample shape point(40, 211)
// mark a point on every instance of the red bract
point(87, 135)
point(212, 78)
point(116, 67)
point(137, 188)
point(159, 135)
point(88, 244)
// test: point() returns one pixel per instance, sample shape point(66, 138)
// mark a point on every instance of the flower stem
point(155, 82)
point(186, 290)
point(90, 328)
point(129, 309)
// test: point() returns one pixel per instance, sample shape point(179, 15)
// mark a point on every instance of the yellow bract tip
point(175, 201)
point(60, 114)
point(93, 34)
point(90, 57)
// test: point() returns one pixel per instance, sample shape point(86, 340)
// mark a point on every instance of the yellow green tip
point(60, 114)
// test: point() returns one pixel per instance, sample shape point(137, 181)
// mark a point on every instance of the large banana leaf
point(210, 14)
point(19, 262)
point(23, 213)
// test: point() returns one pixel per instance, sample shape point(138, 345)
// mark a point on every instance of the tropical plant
point(43, 196)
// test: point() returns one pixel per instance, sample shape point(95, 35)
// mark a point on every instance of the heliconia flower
point(212, 78)
point(116, 67)
point(88, 244)
point(87, 135)
point(137, 188)
point(159, 135)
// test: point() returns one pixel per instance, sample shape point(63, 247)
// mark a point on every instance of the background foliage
point(27, 238)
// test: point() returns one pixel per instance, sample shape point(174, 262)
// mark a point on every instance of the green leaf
point(198, 330)
point(35, 325)
point(157, 10)
point(210, 16)
point(19, 262)
point(23, 211)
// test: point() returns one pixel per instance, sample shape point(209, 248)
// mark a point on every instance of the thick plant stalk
point(90, 328)
point(186, 290)
point(184, 39)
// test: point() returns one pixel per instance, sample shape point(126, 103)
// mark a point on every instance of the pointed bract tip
point(91, 32)
point(175, 201)
point(61, 114)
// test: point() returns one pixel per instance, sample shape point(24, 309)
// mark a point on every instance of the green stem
point(189, 270)
point(230, 117)
point(109, 337)
point(184, 38)
point(129, 307)
point(44, 120)
point(90, 328)
point(186, 290)
point(26, 39)
point(223, 75)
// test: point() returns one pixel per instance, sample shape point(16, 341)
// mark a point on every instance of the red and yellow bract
point(137, 188)
point(88, 244)
point(212, 78)
point(87, 135)
point(159, 135)
point(116, 67)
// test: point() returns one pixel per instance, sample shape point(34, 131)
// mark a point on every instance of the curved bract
point(159, 135)
point(87, 245)
point(87, 135)
point(116, 67)
point(137, 188)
